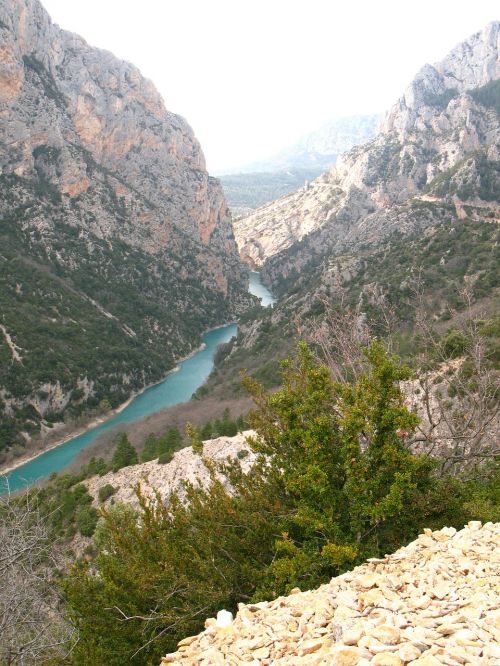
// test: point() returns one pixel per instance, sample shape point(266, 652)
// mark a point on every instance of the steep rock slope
point(432, 602)
point(117, 248)
point(65, 104)
point(185, 466)
point(449, 115)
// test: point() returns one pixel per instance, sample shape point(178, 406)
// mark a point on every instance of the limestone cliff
point(447, 114)
point(431, 603)
point(117, 247)
point(65, 104)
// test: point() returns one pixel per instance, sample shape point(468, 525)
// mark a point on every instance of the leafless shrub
point(32, 627)
point(456, 398)
point(339, 336)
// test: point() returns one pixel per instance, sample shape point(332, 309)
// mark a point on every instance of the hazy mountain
point(445, 128)
point(258, 183)
point(116, 247)
point(320, 148)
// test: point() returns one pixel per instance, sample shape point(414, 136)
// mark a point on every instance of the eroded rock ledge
point(434, 602)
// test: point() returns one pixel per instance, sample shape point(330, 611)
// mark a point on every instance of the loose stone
point(433, 603)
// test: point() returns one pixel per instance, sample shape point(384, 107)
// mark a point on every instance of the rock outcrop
point(448, 113)
point(186, 465)
point(66, 105)
point(434, 602)
point(117, 247)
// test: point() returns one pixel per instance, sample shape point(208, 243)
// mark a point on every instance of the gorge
point(117, 247)
point(177, 387)
point(272, 402)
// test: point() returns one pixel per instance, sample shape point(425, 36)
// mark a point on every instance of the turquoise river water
point(175, 388)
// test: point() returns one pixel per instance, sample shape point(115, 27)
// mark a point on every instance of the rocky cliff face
point(117, 246)
point(66, 106)
point(433, 602)
point(448, 113)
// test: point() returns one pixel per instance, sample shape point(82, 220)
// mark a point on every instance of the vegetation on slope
point(93, 320)
point(439, 263)
point(251, 190)
point(488, 95)
point(335, 490)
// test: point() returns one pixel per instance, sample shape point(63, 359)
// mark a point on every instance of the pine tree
point(125, 454)
point(150, 450)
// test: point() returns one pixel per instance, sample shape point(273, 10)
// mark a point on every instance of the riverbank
point(24, 460)
point(173, 389)
point(100, 420)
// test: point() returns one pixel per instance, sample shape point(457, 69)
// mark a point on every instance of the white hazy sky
point(251, 76)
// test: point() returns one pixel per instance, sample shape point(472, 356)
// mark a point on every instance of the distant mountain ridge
point(258, 183)
point(117, 248)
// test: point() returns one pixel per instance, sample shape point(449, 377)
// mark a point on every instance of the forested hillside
point(247, 191)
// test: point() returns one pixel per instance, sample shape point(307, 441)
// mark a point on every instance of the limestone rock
point(69, 110)
point(419, 634)
point(435, 124)
point(99, 179)
point(185, 465)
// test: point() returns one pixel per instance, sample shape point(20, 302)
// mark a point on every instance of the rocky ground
point(186, 465)
point(432, 602)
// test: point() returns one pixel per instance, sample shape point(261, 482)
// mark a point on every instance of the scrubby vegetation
point(335, 490)
point(488, 95)
point(475, 176)
point(439, 263)
point(251, 190)
point(444, 260)
point(440, 100)
point(92, 320)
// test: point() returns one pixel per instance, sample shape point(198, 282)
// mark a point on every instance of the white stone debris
point(224, 619)
point(434, 602)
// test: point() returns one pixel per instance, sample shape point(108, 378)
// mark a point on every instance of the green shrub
point(165, 458)
point(124, 455)
point(454, 343)
point(105, 492)
point(331, 487)
point(488, 95)
point(86, 521)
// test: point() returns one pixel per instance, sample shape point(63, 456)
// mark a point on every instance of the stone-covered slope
point(185, 466)
point(116, 247)
point(449, 113)
point(434, 602)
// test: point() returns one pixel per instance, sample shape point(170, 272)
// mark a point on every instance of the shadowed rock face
point(437, 122)
point(69, 110)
